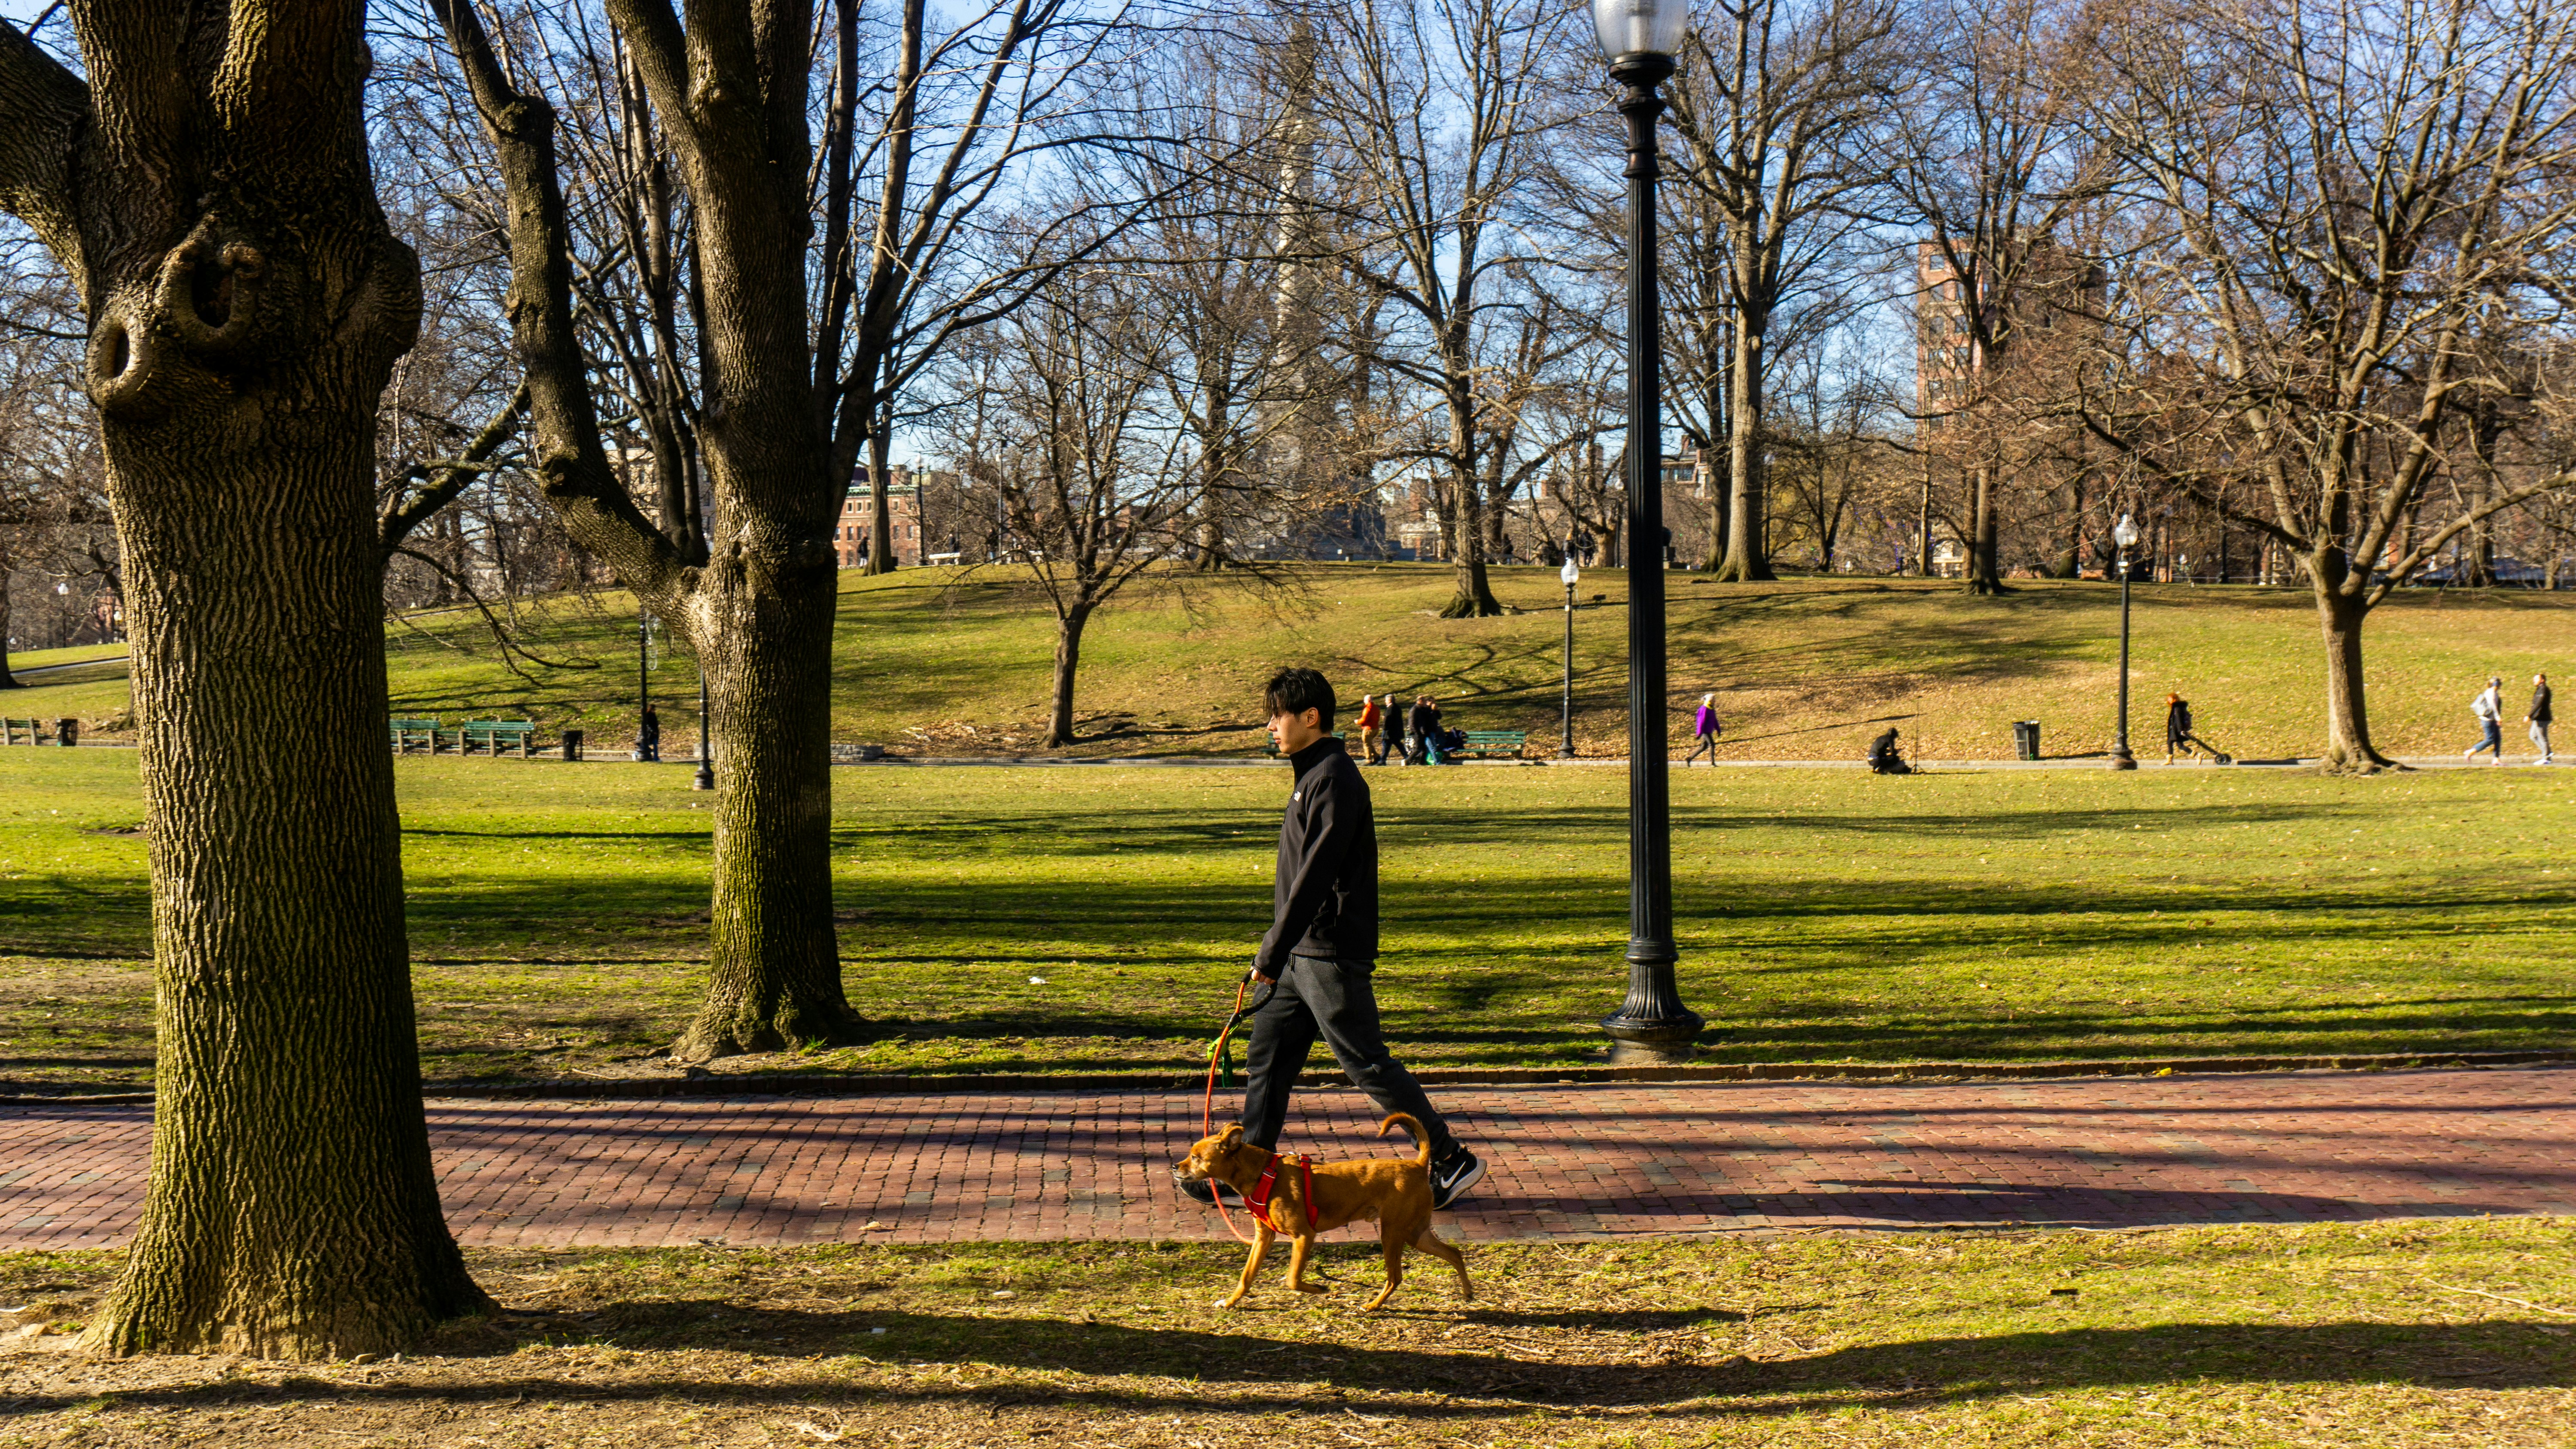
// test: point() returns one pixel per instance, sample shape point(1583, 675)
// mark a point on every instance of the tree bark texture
point(7, 679)
point(1985, 574)
point(1747, 560)
point(1068, 664)
point(759, 611)
point(1475, 596)
point(212, 199)
point(774, 981)
point(2341, 615)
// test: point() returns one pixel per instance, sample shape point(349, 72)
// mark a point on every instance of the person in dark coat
point(648, 737)
point(1883, 758)
point(1423, 724)
point(1320, 954)
point(2177, 726)
point(2538, 716)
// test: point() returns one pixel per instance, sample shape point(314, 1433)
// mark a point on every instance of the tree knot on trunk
point(202, 307)
point(208, 295)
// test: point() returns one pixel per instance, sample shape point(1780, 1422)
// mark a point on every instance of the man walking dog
point(1321, 951)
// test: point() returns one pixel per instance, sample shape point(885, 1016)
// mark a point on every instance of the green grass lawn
point(947, 663)
point(2383, 1336)
point(1082, 920)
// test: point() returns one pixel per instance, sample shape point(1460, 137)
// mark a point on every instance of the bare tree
point(1434, 116)
point(1077, 422)
point(799, 353)
point(1986, 161)
point(2366, 239)
point(1772, 109)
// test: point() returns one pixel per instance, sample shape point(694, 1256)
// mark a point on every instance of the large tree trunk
point(880, 500)
point(759, 612)
point(246, 303)
point(1748, 559)
point(2348, 746)
point(1985, 574)
point(774, 969)
point(2070, 564)
point(1475, 597)
point(292, 1211)
point(1068, 663)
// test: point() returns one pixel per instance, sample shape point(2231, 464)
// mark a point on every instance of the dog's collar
point(1259, 1201)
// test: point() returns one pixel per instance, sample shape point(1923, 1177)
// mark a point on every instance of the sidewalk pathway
point(1570, 1161)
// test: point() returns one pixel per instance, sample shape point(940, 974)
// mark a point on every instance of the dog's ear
point(1231, 1136)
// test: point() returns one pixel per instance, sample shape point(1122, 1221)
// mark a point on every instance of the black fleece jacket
point(1325, 902)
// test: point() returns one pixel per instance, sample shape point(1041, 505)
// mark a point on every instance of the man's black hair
point(1295, 691)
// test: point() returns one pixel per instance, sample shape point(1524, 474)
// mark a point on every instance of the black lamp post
point(1652, 1025)
point(706, 779)
point(1571, 575)
point(2124, 533)
point(644, 751)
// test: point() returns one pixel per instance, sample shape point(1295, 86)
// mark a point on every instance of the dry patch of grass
point(2393, 1334)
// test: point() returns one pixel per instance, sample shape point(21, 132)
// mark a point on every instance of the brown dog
point(1394, 1191)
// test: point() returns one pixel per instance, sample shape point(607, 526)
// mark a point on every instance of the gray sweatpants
point(1337, 1001)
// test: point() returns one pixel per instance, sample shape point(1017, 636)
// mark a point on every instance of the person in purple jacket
point(1705, 726)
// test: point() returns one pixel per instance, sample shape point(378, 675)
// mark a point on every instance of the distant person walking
point(2489, 708)
point(1373, 728)
point(2177, 726)
point(1704, 725)
point(648, 737)
point(2538, 718)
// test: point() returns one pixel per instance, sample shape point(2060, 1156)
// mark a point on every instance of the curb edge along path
point(1570, 1162)
point(856, 1084)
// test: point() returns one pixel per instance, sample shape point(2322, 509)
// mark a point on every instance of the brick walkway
point(1570, 1161)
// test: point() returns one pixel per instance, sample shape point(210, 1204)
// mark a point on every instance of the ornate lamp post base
point(1652, 1027)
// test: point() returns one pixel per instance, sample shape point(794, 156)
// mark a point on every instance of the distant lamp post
point(2125, 534)
point(1570, 575)
point(1639, 38)
point(706, 779)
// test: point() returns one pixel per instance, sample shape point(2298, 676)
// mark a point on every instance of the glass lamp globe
point(1569, 574)
point(2125, 532)
point(1640, 27)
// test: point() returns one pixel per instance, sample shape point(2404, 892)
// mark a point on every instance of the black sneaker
point(1452, 1176)
point(1204, 1190)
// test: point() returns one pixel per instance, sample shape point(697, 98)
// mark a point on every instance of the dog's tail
point(1405, 1120)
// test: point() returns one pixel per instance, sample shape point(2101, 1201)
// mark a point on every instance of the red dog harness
point(1259, 1202)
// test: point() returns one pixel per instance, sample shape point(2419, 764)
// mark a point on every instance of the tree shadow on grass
point(1252, 1370)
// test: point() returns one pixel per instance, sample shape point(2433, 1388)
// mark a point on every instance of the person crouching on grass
point(1322, 945)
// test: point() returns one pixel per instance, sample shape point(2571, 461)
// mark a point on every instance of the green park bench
point(1505, 743)
point(10, 729)
point(492, 734)
point(409, 732)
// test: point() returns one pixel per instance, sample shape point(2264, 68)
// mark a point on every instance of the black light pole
point(2124, 534)
point(643, 685)
point(1652, 1025)
point(706, 779)
point(1571, 575)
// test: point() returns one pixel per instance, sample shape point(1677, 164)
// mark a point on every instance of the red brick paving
point(1570, 1161)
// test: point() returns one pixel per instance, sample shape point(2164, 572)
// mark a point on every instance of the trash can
point(67, 732)
point(572, 744)
point(2026, 739)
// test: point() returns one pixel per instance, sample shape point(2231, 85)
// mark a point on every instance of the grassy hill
point(948, 663)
